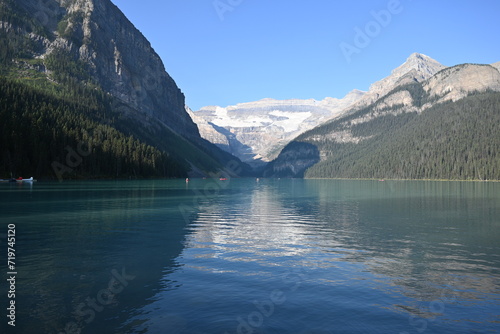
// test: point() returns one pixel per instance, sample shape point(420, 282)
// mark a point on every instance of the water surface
point(240, 256)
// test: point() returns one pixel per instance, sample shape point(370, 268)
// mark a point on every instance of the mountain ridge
point(247, 129)
point(250, 126)
point(67, 48)
point(417, 68)
point(358, 144)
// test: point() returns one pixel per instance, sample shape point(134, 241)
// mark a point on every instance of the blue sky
point(223, 52)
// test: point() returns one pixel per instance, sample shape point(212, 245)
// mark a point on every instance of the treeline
point(52, 107)
point(45, 136)
point(453, 140)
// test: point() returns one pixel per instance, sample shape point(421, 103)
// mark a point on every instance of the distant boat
point(222, 179)
point(20, 179)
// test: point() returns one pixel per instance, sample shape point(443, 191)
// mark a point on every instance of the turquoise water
point(241, 256)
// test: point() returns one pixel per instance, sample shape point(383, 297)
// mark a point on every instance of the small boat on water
point(18, 180)
point(31, 179)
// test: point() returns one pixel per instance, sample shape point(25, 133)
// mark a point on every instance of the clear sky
point(223, 52)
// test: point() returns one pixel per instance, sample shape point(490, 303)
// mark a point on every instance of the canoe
point(26, 180)
point(18, 180)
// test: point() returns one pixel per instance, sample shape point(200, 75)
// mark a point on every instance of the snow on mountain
point(435, 124)
point(256, 131)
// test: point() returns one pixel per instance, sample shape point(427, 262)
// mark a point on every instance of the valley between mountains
point(423, 121)
point(84, 95)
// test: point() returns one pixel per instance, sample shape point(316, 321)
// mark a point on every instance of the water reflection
point(408, 245)
point(433, 241)
point(277, 256)
point(76, 240)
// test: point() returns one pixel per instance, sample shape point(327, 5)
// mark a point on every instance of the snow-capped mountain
point(257, 131)
point(445, 127)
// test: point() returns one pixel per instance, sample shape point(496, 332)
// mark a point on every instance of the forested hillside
point(455, 140)
point(450, 140)
point(66, 114)
point(39, 126)
point(39, 131)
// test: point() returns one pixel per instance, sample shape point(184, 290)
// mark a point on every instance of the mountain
point(443, 127)
point(416, 68)
point(247, 129)
point(255, 132)
point(82, 54)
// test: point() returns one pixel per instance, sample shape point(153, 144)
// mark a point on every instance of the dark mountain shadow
point(293, 161)
point(106, 255)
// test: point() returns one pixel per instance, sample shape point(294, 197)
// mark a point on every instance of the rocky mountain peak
point(97, 35)
point(420, 66)
point(336, 148)
point(417, 67)
point(250, 127)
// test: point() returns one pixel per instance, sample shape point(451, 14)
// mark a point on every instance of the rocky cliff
point(114, 53)
point(417, 68)
point(443, 127)
point(256, 131)
point(86, 56)
point(454, 83)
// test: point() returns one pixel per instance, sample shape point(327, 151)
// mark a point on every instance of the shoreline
point(384, 180)
point(261, 178)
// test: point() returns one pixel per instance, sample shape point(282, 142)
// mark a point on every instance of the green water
point(241, 256)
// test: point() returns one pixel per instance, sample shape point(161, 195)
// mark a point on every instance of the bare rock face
point(118, 57)
point(256, 131)
point(448, 84)
point(207, 130)
point(459, 81)
point(417, 68)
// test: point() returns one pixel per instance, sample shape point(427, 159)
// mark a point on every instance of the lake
point(247, 256)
